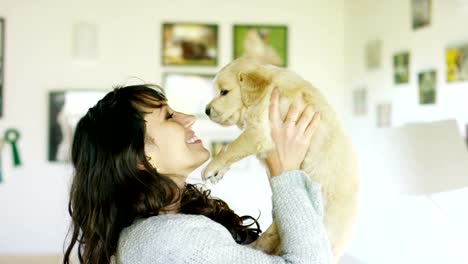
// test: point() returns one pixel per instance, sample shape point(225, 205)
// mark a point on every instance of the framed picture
point(267, 44)
point(189, 92)
point(189, 44)
point(421, 12)
point(401, 67)
point(457, 63)
point(2, 62)
point(65, 110)
point(384, 115)
point(85, 41)
point(373, 54)
point(360, 102)
point(466, 134)
point(427, 87)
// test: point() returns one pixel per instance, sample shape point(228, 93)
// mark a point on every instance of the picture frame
point(384, 115)
point(2, 62)
point(65, 110)
point(189, 92)
point(457, 63)
point(267, 44)
point(373, 53)
point(427, 81)
point(466, 134)
point(85, 41)
point(401, 71)
point(360, 101)
point(189, 44)
point(421, 11)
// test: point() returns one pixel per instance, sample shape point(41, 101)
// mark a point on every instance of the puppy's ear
point(253, 85)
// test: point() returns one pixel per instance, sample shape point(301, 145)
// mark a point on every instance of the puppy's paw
point(214, 172)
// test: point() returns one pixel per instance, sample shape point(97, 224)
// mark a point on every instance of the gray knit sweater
point(195, 239)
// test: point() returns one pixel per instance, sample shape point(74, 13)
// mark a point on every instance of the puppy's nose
point(207, 110)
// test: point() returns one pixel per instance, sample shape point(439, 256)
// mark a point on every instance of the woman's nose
point(186, 120)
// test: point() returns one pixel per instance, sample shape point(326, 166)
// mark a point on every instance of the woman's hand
point(291, 137)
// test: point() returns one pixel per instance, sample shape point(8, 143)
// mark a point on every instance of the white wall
point(390, 21)
point(33, 217)
point(393, 228)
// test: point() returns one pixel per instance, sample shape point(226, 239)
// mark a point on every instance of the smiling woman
point(132, 153)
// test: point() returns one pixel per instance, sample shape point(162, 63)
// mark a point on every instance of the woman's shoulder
point(177, 221)
point(165, 234)
point(169, 223)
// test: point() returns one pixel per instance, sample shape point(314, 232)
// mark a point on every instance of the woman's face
point(171, 144)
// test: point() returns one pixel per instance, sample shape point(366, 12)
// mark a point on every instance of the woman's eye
point(223, 92)
point(169, 115)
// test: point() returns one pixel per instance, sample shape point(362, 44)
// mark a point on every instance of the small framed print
point(384, 115)
point(360, 101)
point(457, 63)
point(2, 62)
point(189, 44)
point(267, 44)
point(65, 110)
point(401, 67)
point(421, 13)
point(85, 41)
point(189, 92)
point(466, 134)
point(373, 54)
point(427, 87)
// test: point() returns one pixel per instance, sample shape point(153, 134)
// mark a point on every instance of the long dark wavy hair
point(110, 190)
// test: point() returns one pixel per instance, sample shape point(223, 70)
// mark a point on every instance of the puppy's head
point(239, 85)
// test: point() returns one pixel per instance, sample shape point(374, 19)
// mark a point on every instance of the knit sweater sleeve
point(297, 205)
point(188, 239)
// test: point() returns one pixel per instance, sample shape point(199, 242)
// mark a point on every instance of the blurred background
point(396, 73)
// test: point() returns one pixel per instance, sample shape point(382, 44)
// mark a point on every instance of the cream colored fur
point(330, 159)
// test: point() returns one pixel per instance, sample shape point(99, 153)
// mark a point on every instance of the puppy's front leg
point(251, 141)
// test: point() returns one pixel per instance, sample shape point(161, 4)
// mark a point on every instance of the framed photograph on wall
point(65, 110)
point(457, 63)
point(264, 43)
point(189, 92)
point(2, 62)
point(373, 54)
point(384, 115)
point(401, 67)
point(421, 13)
point(85, 41)
point(466, 134)
point(189, 44)
point(360, 101)
point(427, 87)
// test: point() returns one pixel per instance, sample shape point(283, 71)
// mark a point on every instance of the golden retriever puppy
point(244, 88)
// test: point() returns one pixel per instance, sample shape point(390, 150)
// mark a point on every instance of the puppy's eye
point(223, 92)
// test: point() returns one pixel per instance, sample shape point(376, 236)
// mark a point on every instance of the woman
point(132, 154)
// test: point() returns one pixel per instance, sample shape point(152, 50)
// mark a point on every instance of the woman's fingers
point(306, 118)
point(312, 125)
point(293, 112)
point(274, 112)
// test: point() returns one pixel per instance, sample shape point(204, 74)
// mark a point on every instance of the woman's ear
point(253, 85)
point(140, 166)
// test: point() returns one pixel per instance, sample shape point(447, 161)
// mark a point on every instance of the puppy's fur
point(330, 159)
